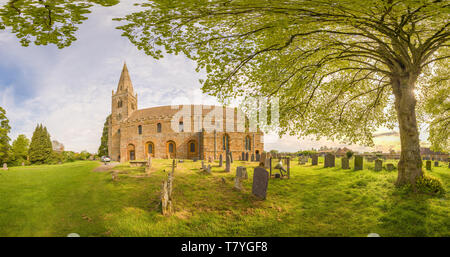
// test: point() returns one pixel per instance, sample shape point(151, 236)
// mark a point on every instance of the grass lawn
point(56, 200)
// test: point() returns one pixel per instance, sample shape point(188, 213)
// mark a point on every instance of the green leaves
point(4, 139)
point(330, 62)
point(47, 22)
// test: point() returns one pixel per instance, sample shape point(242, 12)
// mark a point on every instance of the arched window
point(119, 104)
point(118, 131)
point(171, 147)
point(158, 128)
point(248, 143)
point(192, 147)
point(181, 127)
point(226, 142)
point(150, 149)
point(140, 129)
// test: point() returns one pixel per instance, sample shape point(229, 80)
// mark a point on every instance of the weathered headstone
point(378, 165)
point(231, 157)
point(5, 166)
point(428, 165)
point(203, 165)
point(241, 174)
point(390, 167)
point(220, 160)
point(252, 158)
point(359, 162)
point(436, 164)
point(149, 164)
point(246, 156)
point(227, 163)
point(243, 156)
point(314, 159)
point(258, 157)
point(260, 182)
point(345, 163)
point(208, 169)
point(329, 160)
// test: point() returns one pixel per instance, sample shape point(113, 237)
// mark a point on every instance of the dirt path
point(106, 167)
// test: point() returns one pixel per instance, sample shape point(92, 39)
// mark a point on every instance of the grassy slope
point(60, 199)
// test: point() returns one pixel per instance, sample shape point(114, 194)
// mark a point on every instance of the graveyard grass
point(70, 198)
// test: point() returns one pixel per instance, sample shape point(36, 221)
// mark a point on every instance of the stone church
point(134, 134)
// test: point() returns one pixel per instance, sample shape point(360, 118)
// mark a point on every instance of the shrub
point(349, 154)
point(429, 185)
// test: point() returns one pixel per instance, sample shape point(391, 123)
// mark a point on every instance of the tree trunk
point(410, 165)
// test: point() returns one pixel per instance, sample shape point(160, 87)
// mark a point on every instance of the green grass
point(56, 200)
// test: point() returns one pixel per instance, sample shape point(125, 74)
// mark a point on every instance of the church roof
point(125, 81)
point(166, 111)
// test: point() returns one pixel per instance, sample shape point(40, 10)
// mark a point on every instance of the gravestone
point(231, 157)
point(227, 163)
point(243, 156)
point(359, 162)
point(436, 164)
point(390, 167)
point(428, 165)
point(258, 157)
point(220, 160)
point(378, 165)
point(253, 158)
point(260, 182)
point(329, 160)
point(149, 164)
point(5, 166)
point(314, 159)
point(246, 156)
point(208, 169)
point(203, 165)
point(345, 163)
point(166, 195)
point(241, 172)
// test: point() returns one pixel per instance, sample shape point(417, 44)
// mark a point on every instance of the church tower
point(123, 104)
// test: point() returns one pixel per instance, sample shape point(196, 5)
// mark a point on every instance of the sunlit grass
point(70, 198)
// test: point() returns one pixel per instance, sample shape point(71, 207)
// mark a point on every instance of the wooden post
point(289, 167)
point(270, 167)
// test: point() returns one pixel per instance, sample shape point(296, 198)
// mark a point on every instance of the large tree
point(103, 148)
point(4, 139)
point(341, 69)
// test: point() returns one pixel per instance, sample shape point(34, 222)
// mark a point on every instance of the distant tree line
point(38, 150)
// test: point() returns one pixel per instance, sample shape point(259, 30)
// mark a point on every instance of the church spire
point(125, 81)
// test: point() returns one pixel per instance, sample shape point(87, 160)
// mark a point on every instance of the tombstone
point(359, 162)
point(149, 164)
point(243, 156)
point(246, 156)
point(390, 167)
point(378, 165)
point(231, 157)
point(258, 157)
point(208, 169)
point(220, 160)
point(5, 166)
point(428, 165)
point(345, 163)
point(263, 158)
point(329, 160)
point(227, 163)
point(268, 163)
point(314, 159)
point(253, 158)
point(436, 164)
point(260, 182)
point(241, 172)
point(203, 165)
point(166, 196)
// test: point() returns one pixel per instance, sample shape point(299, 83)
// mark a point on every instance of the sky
point(69, 90)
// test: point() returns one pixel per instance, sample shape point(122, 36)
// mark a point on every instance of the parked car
point(105, 159)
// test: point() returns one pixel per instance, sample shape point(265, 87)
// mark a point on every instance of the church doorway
point(131, 152)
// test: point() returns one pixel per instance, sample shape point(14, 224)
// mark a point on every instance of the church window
point(140, 129)
point(181, 127)
point(158, 128)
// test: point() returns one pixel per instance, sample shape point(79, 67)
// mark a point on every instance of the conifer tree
point(103, 149)
point(41, 146)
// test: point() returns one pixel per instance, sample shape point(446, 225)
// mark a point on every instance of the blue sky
point(69, 90)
